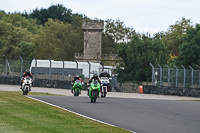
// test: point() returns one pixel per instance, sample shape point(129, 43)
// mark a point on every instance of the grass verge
point(19, 114)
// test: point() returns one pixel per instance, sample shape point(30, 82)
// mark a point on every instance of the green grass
point(19, 114)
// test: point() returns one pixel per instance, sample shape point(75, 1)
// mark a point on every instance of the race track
point(137, 115)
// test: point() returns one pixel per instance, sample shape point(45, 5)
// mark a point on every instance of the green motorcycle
point(94, 90)
point(77, 87)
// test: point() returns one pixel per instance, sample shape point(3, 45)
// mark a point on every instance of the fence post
point(35, 66)
point(192, 74)
point(183, 76)
point(160, 75)
point(176, 75)
point(76, 67)
point(199, 78)
point(6, 64)
point(63, 69)
point(152, 73)
point(21, 65)
point(50, 70)
point(89, 68)
point(168, 73)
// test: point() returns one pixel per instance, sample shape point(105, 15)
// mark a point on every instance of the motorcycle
point(94, 90)
point(26, 85)
point(77, 86)
point(105, 83)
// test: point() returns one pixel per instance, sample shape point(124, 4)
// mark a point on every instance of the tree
point(190, 50)
point(115, 32)
point(136, 56)
point(118, 30)
point(108, 45)
point(174, 36)
point(15, 36)
point(58, 12)
point(58, 40)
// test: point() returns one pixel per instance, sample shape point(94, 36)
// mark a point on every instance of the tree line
point(55, 33)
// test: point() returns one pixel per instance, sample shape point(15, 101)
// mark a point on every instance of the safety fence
point(175, 77)
point(46, 73)
point(48, 76)
point(174, 81)
point(17, 67)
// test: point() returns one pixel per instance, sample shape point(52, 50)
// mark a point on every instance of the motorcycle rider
point(26, 73)
point(104, 74)
point(95, 77)
point(76, 78)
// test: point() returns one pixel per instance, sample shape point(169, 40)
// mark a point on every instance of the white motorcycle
point(105, 82)
point(26, 85)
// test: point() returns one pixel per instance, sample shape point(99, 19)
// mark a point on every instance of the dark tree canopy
point(55, 12)
point(190, 50)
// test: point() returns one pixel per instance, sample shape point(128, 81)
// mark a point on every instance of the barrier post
point(89, 68)
point(184, 75)
point(176, 75)
point(160, 75)
point(50, 70)
point(168, 74)
point(152, 73)
point(63, 69)
point(76, 67)
point(6, 64)
point(192, 74)
point(21, 65)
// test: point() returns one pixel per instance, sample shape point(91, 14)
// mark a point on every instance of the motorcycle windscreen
point(28, 78)
point(95, 82)
point(78, 81)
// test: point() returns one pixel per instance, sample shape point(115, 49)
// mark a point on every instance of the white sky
point(143, 15)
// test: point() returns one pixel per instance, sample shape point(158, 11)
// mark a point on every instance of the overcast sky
point(143, 15)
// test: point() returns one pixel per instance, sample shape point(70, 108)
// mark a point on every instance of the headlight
point(93, 88)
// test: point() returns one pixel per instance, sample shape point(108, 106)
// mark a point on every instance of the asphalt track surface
point(136, 115)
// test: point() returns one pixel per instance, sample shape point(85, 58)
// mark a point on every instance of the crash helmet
point(77, 76)
point(95, 76)
point(28, 71)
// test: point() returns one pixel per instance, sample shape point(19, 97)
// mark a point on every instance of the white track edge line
point(76, 113)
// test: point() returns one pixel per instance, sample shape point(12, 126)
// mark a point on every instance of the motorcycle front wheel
point(25, 92)
point(76, 92)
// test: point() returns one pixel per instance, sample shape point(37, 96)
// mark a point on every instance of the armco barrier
point(164, 90)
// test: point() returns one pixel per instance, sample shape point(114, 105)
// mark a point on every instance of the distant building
point(66, 67)
point(92, 41)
